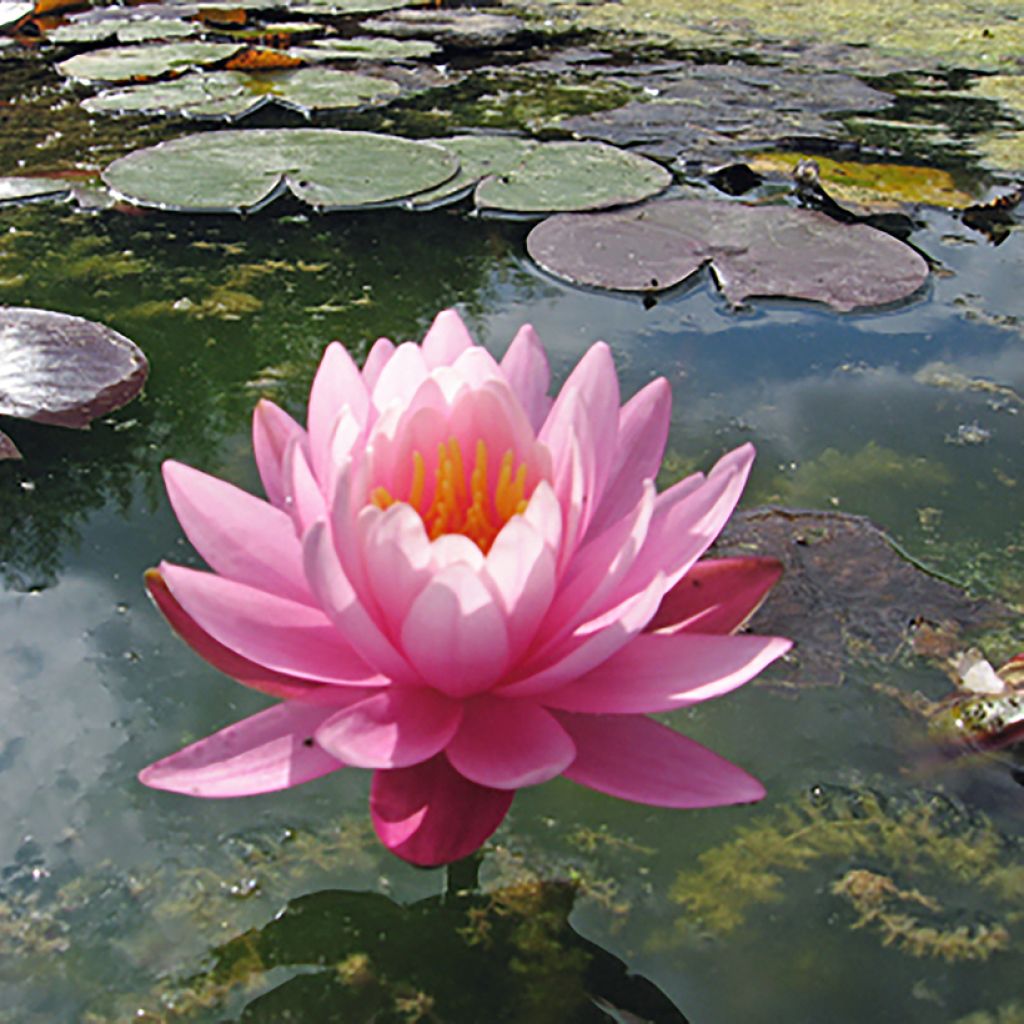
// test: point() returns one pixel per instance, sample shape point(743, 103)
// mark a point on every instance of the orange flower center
point(460, 505)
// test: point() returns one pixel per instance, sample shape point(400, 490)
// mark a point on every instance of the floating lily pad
point(753, 251)
point(572, 176)
point(478, 155)
point(12, 11)
point(460, 28)
point(235, 171)
point(125, 63)
point(846, 591)
point(15, 190)
point(64, 370)
point(129, 27)
point(234, 94)
point(366, 48)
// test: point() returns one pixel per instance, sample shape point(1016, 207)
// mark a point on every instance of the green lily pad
point(236, 171)
point(15, 190)
point(478, 155)
point(758, 251)
point(128, 28)
point(366, 48)
point(572, 176)
point(462, 28)
point(234, 94)
point(124, 63)
point(12, 11)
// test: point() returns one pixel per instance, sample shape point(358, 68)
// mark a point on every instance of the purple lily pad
point(63, 370)
point(766, 251)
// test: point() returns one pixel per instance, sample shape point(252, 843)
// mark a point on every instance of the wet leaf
point(366, 48)
point(64, 370)
point(12, 11)
point(753, 251)
point(846, 591)
point(572, 176)
point(124, 63)
point(235, 171)
point(129, 26)
point(234, 94)
point(14, 190)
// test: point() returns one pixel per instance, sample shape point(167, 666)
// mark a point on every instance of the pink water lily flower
point(467, 587)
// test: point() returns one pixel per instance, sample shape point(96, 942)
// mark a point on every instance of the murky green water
point(117, 899)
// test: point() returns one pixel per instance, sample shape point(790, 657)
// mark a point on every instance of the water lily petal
point(338, 385)
point(273, 631)
point(717, 595)
point(271, 750)
point(272, 431)
point(659, 673)
point(379, 357)
point(303, 500)
point(509, 744)
point(429, 814)
point(242, 670)
point(404, 372)
point(238, 535)
point(455, 633)
point(398, 558)
point(526, 368)
point(643, 432)
point(638, 759)
point(446, 340)
point(344, 608)
point(397, 727)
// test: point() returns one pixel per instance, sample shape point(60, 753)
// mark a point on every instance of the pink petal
point(394, 728)
point(717, 595)
point(525, 366)
point(643, 431)
point(344, 608)
point(269, 751)
point(272, 431)
point(338, 384)
point(429, 814)
point(659, 673)
point(379, 357)
point(237, 534)
point(476, 366)
point(397, 554)
point(303, 500)
point(509, 744)
point(455, 633)
point(242, 670)
point(283, 635)
point(638, 759)
point(405, 371)
point(446, 340)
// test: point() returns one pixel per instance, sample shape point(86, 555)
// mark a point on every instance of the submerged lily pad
point(753, 251)
point(15, 190)
point(846, 591)
point(125, 63)
point(572, 176)
point(64, 370)
point(235, 171)
point(234, 94)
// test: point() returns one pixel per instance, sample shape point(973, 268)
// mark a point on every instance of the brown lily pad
point(753, 251)
point(63, 370)
point(846, 592)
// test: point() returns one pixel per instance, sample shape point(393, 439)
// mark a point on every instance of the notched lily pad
point(753, 251)
point(235, 94)
point(16, 190)
point(63, 370)
point(846, 591)
point(237, 171)
point(126, 63)
point(572, 176)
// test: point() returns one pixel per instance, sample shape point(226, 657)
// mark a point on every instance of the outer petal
point(525, 366)
point(237, 534)
point(429, 814)
point(658, 673)
point(509, 744)
point(455, 633)
point(638, 759)
point(272, 431)
point(303, 500)
point(717, 595)
point(379, 357)
point(242, 670)
point(338, 384)
point(394, 728)
point(269, 751)
point(446, 340)
point(283, 635)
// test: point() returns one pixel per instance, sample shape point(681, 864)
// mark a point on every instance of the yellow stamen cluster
point(461, 506)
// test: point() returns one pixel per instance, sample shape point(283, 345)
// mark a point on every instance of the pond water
point(875, 883)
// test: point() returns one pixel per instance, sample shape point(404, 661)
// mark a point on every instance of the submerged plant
point(467, 588)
